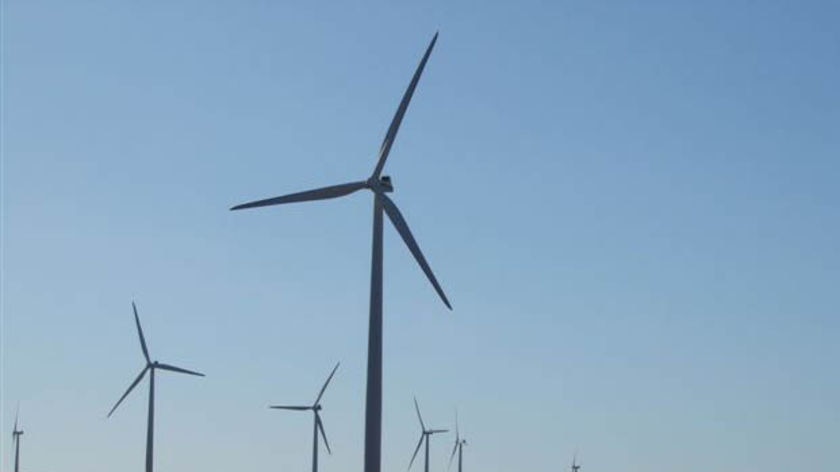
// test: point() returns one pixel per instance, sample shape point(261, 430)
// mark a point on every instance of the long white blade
point(321, 429)
point(419, 416)
point(130, 388)
point(172, 368)
point(402, 227)
point(140, 333)
point(323, 193)
point(321, 393)
point(391, 135)
point(422, 436)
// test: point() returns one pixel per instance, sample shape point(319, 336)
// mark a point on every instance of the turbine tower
point(151, 367)
point(319, 425)
point(379, 185)
point(424, 437)
point(459, 447)
point(16, 434)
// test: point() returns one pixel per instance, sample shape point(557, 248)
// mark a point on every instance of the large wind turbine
point(380, 185)
point(16, 434)
point(319, 426)
point(424, 437)
point(459, 447)
point(151, 366)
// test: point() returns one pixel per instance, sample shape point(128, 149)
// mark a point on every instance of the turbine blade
point(140, 332)
point(452, 456)
point(130, 388)
point(321, 393)
point(323, 434)
point(402, 227)
point(285, 407)
point(323, 193)
point(435, 431)
point(422, 436)
point(457, 432)
point(178, 369)
point(419, 417)
point(17, 413)
point(385, 149)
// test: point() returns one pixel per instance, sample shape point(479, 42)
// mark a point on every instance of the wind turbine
point(380, 185)
point(151, 366)
point(319, 426)
point(424, 437)
point(575, 465)
point(459, 447)
point(16, 434)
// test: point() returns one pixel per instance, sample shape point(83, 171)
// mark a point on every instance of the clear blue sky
point(634, 207)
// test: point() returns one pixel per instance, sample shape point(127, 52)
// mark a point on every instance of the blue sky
point(632, 207)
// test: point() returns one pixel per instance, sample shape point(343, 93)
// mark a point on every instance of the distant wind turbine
point(319, 426)
point(459, 447)
point(151, 366)
point(575, 466)
point(424, 437)
point(16, 434)
point(380, 185)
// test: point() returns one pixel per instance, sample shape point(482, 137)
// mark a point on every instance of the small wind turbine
point(319, 426)
point(459, 447)
point(16, 434)
point(575, 465)
point(151, 366)
point(424, 437)
point(380, 185)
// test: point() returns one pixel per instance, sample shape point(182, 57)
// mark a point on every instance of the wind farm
point(537, 236)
